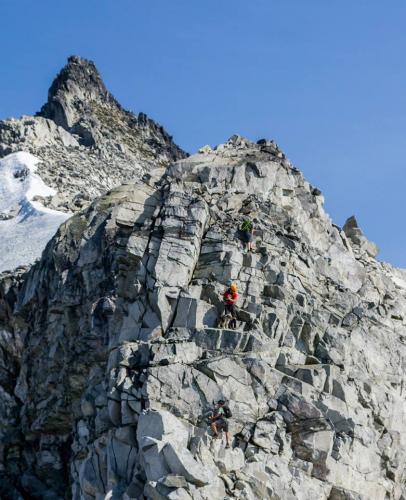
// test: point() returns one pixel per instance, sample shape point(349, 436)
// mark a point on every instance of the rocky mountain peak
point(74, 88)
point(85, 142)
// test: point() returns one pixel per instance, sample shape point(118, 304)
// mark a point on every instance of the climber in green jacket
point(247, 233)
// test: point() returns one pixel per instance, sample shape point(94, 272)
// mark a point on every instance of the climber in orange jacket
point(230, 299)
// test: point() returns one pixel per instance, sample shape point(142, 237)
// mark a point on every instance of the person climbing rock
point(230, 299)
point(219, 420)
point(247, 233)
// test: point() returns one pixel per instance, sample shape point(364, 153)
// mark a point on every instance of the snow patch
point(26, 225)
point(19, 182)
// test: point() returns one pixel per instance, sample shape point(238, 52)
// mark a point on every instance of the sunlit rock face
point(122, 354)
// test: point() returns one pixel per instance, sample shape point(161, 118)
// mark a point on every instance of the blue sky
point(325, 79)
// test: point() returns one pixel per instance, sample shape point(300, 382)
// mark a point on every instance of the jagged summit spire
point(79, 102)
point(75, 86)
point(83, 73)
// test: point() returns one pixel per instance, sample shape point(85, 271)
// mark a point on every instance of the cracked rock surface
point(118, 355)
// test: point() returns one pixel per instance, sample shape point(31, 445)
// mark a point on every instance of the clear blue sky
point(325, 79)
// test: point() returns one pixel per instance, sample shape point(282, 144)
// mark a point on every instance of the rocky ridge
point(86, 141)
point(122, 355)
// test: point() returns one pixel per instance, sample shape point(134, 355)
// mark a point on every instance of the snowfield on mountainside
point(26, 225)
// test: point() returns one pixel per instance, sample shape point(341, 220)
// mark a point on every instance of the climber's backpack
point(247, 226)
point(227, 412)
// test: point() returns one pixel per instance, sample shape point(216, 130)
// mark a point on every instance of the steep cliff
point(122, 355)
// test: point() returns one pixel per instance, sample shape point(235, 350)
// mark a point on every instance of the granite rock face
point(356, 236)
point(86, 141)
point(118, 356)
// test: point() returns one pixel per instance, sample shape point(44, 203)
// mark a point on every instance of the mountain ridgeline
point(86, 141)
point(112, 348)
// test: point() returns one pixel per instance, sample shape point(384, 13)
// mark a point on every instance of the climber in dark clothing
point(230, 299)
point(247, 233)
point(219, 420)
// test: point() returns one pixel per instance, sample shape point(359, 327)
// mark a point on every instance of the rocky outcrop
point(122, 355)
point(72, 93)
point(86, 141)
point(360, 243)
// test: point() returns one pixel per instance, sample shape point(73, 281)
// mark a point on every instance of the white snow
point(29, 225)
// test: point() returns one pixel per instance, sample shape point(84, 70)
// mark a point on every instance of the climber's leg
point(228, 439)
point(230, 309)
point(247, 239)
point(223, 426)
